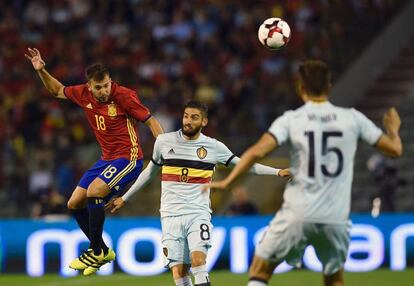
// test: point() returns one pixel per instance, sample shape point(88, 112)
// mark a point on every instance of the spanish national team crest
point(112, 109)
point(201, 152)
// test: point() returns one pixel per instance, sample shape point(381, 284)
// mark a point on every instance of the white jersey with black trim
point(186, 166)
point(322, 140)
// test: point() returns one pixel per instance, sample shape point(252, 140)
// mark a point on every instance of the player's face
point(193, 122)
point(101, 90)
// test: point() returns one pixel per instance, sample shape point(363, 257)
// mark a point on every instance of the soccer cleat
point(95, 266)
point(86, 259)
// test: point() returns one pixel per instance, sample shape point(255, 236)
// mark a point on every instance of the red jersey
point(112, 122)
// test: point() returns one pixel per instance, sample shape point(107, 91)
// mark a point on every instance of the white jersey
point(186, 166)
point(322, 140)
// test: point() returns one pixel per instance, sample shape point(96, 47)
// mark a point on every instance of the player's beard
point(102, 99)
point(191, 132)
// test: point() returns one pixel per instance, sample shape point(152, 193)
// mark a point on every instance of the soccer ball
point(274, 33)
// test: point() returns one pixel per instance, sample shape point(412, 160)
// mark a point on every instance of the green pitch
point(218, 278)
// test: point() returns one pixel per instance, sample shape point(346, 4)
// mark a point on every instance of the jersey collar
point(182, 139)
point(314, 103)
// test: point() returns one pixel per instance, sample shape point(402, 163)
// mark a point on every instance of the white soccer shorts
point(287, 239)
point(181, 235)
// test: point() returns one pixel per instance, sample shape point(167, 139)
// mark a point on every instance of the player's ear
point(302, 92)
point(89, 86)
point(204, 122)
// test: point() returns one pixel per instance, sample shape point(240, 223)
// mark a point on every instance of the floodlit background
point(173, 51)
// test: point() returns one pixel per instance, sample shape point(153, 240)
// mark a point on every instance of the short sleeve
point(280, 128)
point(223, 154)
point(156, 153)
point(368, 131)
point(73, 93)
point(133, 106)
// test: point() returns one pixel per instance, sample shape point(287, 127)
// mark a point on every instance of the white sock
point(256, 283)
point(185, 281)
point(200, 274)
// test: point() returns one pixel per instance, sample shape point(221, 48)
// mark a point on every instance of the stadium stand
point(169, 51)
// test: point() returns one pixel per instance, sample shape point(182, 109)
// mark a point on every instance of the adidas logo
point(89, 106)
point(116, 188)
point(171, 151)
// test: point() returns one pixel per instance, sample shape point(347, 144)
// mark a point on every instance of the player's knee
point(75, 204)
point(97, 188)
point(179, 271)
point(198, 261)
point(335, 279)
point(261, 269)
point(198, 258)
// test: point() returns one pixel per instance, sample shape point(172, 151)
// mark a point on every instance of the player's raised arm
point(390, 143)
point(154, 125)
point(265, 145)
point(52, 84)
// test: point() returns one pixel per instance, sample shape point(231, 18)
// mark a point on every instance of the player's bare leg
point(336, 279)
point(260, 271)
point(199, 268)
point(78, 199)
point(181, 275)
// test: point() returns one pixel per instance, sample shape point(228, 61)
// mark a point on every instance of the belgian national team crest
point(201, 152)
point(112, 110)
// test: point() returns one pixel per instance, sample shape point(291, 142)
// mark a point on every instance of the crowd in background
point(169, 51)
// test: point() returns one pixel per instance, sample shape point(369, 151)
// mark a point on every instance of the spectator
point(50, 205)
point(387, 181)
point(40, 181)
point(240, 203)
point(168, 51)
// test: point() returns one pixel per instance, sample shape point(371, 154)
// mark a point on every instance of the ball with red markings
point(274, 33)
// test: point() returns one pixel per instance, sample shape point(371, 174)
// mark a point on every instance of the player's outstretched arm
point(144, 178)
point(264, 146)
point(52, 84)
point(260, 169)
point(154, 126)
point(390, 143)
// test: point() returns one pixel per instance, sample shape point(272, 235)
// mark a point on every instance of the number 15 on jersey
point(327, 149)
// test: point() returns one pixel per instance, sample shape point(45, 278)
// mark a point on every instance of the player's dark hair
point(198, 105)
point(315, 77)
point(96, 71)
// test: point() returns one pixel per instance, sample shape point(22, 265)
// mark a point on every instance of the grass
point(382, 277)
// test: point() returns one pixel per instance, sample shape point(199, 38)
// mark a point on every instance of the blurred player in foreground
point(187, 159)
point(322, 140)
point(111, 111)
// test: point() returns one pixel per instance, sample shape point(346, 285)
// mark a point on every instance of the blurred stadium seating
point(170, 51)
point(395, 86)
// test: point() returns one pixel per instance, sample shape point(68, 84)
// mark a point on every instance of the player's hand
point(36, 59)
point(392, 121)
point(219, 185)
point(284, 173)
point(115, 205)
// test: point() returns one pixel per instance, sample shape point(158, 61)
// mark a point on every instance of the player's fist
point(117, 204)
point(284, 173)
point(36, 59)
point(391, 120)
